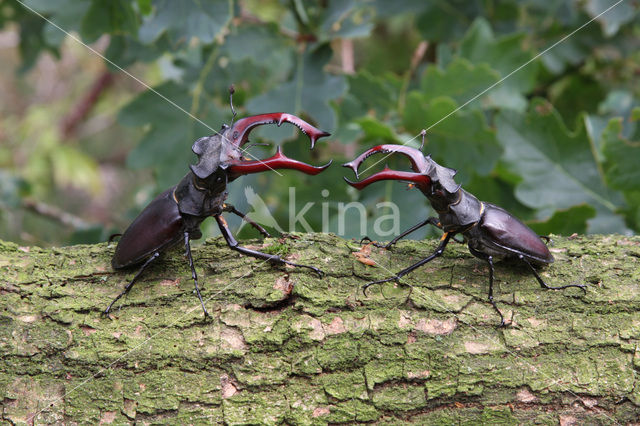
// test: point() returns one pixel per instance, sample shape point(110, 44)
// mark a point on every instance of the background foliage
point(557, 142)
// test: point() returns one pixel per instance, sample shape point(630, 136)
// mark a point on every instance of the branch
point(54, 213)
point(284, 346)
point(84, 106)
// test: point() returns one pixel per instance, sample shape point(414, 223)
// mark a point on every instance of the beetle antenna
point(422, 133)
point(252, 144)
point(232, 90)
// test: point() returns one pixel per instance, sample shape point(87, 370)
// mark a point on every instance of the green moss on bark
point(284, 346)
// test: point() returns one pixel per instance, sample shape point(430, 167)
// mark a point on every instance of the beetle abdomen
point(156, 227)
point(507, 232)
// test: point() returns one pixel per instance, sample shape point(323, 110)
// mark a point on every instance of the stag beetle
point(488, 230)
point(176, 214)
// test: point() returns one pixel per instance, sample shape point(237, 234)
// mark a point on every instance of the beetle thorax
point(457, 211)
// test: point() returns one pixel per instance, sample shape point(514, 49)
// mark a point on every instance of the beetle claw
point(365, 239)
point(373, 243)
point(277, 161)
point(419, 164)
point(386, 280)
point(238, 134)
point(421, 181)
point(425, 170)
point(353, 166)
point(313, 268)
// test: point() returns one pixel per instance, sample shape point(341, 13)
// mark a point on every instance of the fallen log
point(283, 346)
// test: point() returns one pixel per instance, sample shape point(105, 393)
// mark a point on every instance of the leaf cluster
point(536, 110)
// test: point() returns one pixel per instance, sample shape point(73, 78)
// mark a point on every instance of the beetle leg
point(438, 252)
point(114, 236)
point(233, 244)
point(489, 260)
point(231, 209)
point(432, 220)
point(144, 266)
point(193, 270)
point(545, 285)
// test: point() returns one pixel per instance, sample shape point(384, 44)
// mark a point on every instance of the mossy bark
point(284, 346)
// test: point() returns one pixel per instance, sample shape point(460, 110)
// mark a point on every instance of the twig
point(346, 56)
point(417, 56)
point(55, 213)
point(82, 108)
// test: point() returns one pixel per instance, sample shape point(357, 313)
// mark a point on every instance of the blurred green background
point(84, 146)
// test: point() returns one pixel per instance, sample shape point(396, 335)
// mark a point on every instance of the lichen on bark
point(284, 346)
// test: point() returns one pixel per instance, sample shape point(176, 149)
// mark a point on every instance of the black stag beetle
point(176, 214)
point(488, 230)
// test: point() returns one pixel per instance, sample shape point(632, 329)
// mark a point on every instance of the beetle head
point(213, 153)
point(224, 150)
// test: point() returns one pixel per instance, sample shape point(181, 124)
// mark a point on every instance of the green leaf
point(462, 141)
point(144, 6)
point(373, 92)
point(614, 18)
point(349, 109)
point(264, 47)
point(169, 132)
point(565, 222)
point(258, 44)
point(461, 80)
point(12, 189)
point(346, 19)
point(573, 50)
point(557, 166)
point(622, 157)
point(504, 54)
point(109, 17)
point(495, 189)
point(387, 9)
point(375, 130)
point(67, 16)
point(125, 50)
point(308, 92)
point(32, 40)
point(632, 213)
point(576, 94)
point(443, 21)
point(618, 103)
point(184, 20)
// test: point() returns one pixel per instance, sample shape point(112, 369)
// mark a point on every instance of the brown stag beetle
point(488, 230)
point(175, 215)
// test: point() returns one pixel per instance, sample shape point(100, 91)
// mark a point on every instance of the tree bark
point(284, 346)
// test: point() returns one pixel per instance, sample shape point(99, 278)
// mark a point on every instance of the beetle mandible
point(488, 230)
point(175, 215)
